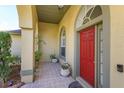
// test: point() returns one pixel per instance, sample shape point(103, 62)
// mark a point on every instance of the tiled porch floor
point(48, 76)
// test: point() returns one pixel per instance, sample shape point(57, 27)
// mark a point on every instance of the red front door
point(87, 47)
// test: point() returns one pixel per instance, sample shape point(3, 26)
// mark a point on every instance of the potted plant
point(38, 52)
point(65, 69)
point(37, 58)
point(53, 58)
point(5, 57)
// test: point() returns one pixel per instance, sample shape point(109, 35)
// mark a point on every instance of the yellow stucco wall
point(16, 45)
point(35, 27)
point(48, 33)
point(24, 16)
point(36, 35)
point(116, 41)
point(27, 51)
point(68, 22)
point(117, 45)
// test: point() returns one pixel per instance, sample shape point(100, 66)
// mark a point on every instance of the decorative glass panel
point(63, 51)
point(63, 39)
point(89, 12)
point(80, 17)
point(88, 7)
point(96, 12)
point(85, 20)
point(62, 43)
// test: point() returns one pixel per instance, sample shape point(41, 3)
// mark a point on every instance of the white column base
point(27, 79)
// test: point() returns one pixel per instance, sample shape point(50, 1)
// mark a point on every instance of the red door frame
point(87, 55)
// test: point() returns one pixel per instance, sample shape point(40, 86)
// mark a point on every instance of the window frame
point(60, 44)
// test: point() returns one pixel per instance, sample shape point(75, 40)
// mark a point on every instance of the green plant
point(65, 66)
point(39, 42)
point(52, 56)
point(5, 56)
point(16, 60)
point(37, 56)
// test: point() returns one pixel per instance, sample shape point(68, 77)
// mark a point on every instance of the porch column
point(26, 23)
point(27, 55)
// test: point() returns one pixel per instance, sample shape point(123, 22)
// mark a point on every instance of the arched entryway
point(91, 46)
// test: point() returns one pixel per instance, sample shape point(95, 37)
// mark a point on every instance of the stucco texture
point(68, 22)
point(16, 45)
point(48, 34)
point(117, 45)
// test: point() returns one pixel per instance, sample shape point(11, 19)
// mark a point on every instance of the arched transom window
point(87, 14)
point(62, 43)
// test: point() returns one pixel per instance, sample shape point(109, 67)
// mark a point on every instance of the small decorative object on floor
point(53, 58)
point(75, 84)
point(18, 85)
point(10, 83)
point(65, 69)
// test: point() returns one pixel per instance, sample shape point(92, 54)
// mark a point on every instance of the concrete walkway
point(48, 76)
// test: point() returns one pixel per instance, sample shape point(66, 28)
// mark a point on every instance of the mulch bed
point(15, 74)
point(14, 78)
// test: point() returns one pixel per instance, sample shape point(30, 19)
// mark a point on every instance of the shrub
point(5, 55)
point(16, 60)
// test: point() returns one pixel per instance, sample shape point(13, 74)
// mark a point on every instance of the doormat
point(75, 84)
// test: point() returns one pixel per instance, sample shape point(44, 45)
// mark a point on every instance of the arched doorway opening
point(92, 38)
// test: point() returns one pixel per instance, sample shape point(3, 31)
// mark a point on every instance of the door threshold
point(83, 82)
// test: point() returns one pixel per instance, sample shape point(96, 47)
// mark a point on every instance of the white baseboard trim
point(83, 82)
